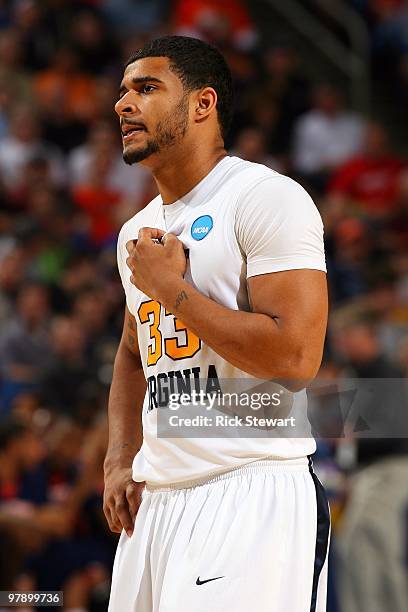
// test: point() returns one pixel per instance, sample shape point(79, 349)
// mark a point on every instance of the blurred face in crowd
point(91, 310)
point(88, 30)
point(267, 115)
point(68, 338)
point(27, 14)
point(358, 343)
point(33, 304)
point(65, 60)
point(24, 124)
point(9, 49)
point(105, 92)
point(12, 268)
point(32, 450)
point(103, 137)
point(250, 144)
point(25, 405)
point(280, 61)
point(351, 240)
point(153, 109)
point(25, 450)
point(328, 100)
point(36, 173)
point(64, 441)
point(376, 140)
point(79, 274)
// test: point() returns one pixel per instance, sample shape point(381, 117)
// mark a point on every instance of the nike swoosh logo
point(198, 581)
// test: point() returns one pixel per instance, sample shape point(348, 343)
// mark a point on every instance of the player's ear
point(206, 103)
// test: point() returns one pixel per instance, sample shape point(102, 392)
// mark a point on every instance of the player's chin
point(132, 154)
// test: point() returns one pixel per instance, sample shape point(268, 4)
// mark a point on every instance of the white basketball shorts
point(252, 539)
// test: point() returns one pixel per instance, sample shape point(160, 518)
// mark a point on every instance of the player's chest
point(213, 259)
point(214, 262)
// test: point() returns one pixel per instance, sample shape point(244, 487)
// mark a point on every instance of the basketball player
point(224, 276)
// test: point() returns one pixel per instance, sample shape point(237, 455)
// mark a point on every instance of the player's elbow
point(300, 379)
point(296, 370)
point(307, 369)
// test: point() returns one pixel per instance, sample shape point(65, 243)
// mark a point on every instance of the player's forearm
point(124, 410)
point(253, 342)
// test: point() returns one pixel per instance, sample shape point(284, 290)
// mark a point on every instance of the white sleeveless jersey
point(243, 219)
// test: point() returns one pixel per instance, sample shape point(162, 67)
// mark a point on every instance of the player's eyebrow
point(146, 79)
point(138, 81)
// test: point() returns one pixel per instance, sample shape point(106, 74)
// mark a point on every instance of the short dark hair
point(198, 65)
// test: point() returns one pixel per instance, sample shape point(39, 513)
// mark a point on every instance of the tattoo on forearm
point(132, 334)
point(181, 296)
point(117, 447)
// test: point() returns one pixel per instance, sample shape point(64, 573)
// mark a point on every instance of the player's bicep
point(129, 338)
point(297, 302)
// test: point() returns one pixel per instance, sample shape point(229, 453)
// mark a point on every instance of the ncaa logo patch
point(201, 227)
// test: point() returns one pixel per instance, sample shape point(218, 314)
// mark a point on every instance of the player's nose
point(126, 105)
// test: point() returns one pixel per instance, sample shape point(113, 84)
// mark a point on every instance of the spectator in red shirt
point(371, 180)
point(383, 9)
point(217, 22)
point(98, 201)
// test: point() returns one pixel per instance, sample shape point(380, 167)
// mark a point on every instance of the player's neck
point(186, 170)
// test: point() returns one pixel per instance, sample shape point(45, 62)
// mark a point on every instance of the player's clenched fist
point(155, 259)
point(121, 499)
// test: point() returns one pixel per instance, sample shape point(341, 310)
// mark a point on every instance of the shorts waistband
point(272, 466)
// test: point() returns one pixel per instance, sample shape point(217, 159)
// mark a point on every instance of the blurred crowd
point(388, 24)
point(64, 194)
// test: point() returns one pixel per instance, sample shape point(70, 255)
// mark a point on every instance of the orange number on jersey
point(149, 312)
point(176, 351)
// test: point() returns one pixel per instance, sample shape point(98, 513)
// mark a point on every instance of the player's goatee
point(170, 130)
point(136, 156)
